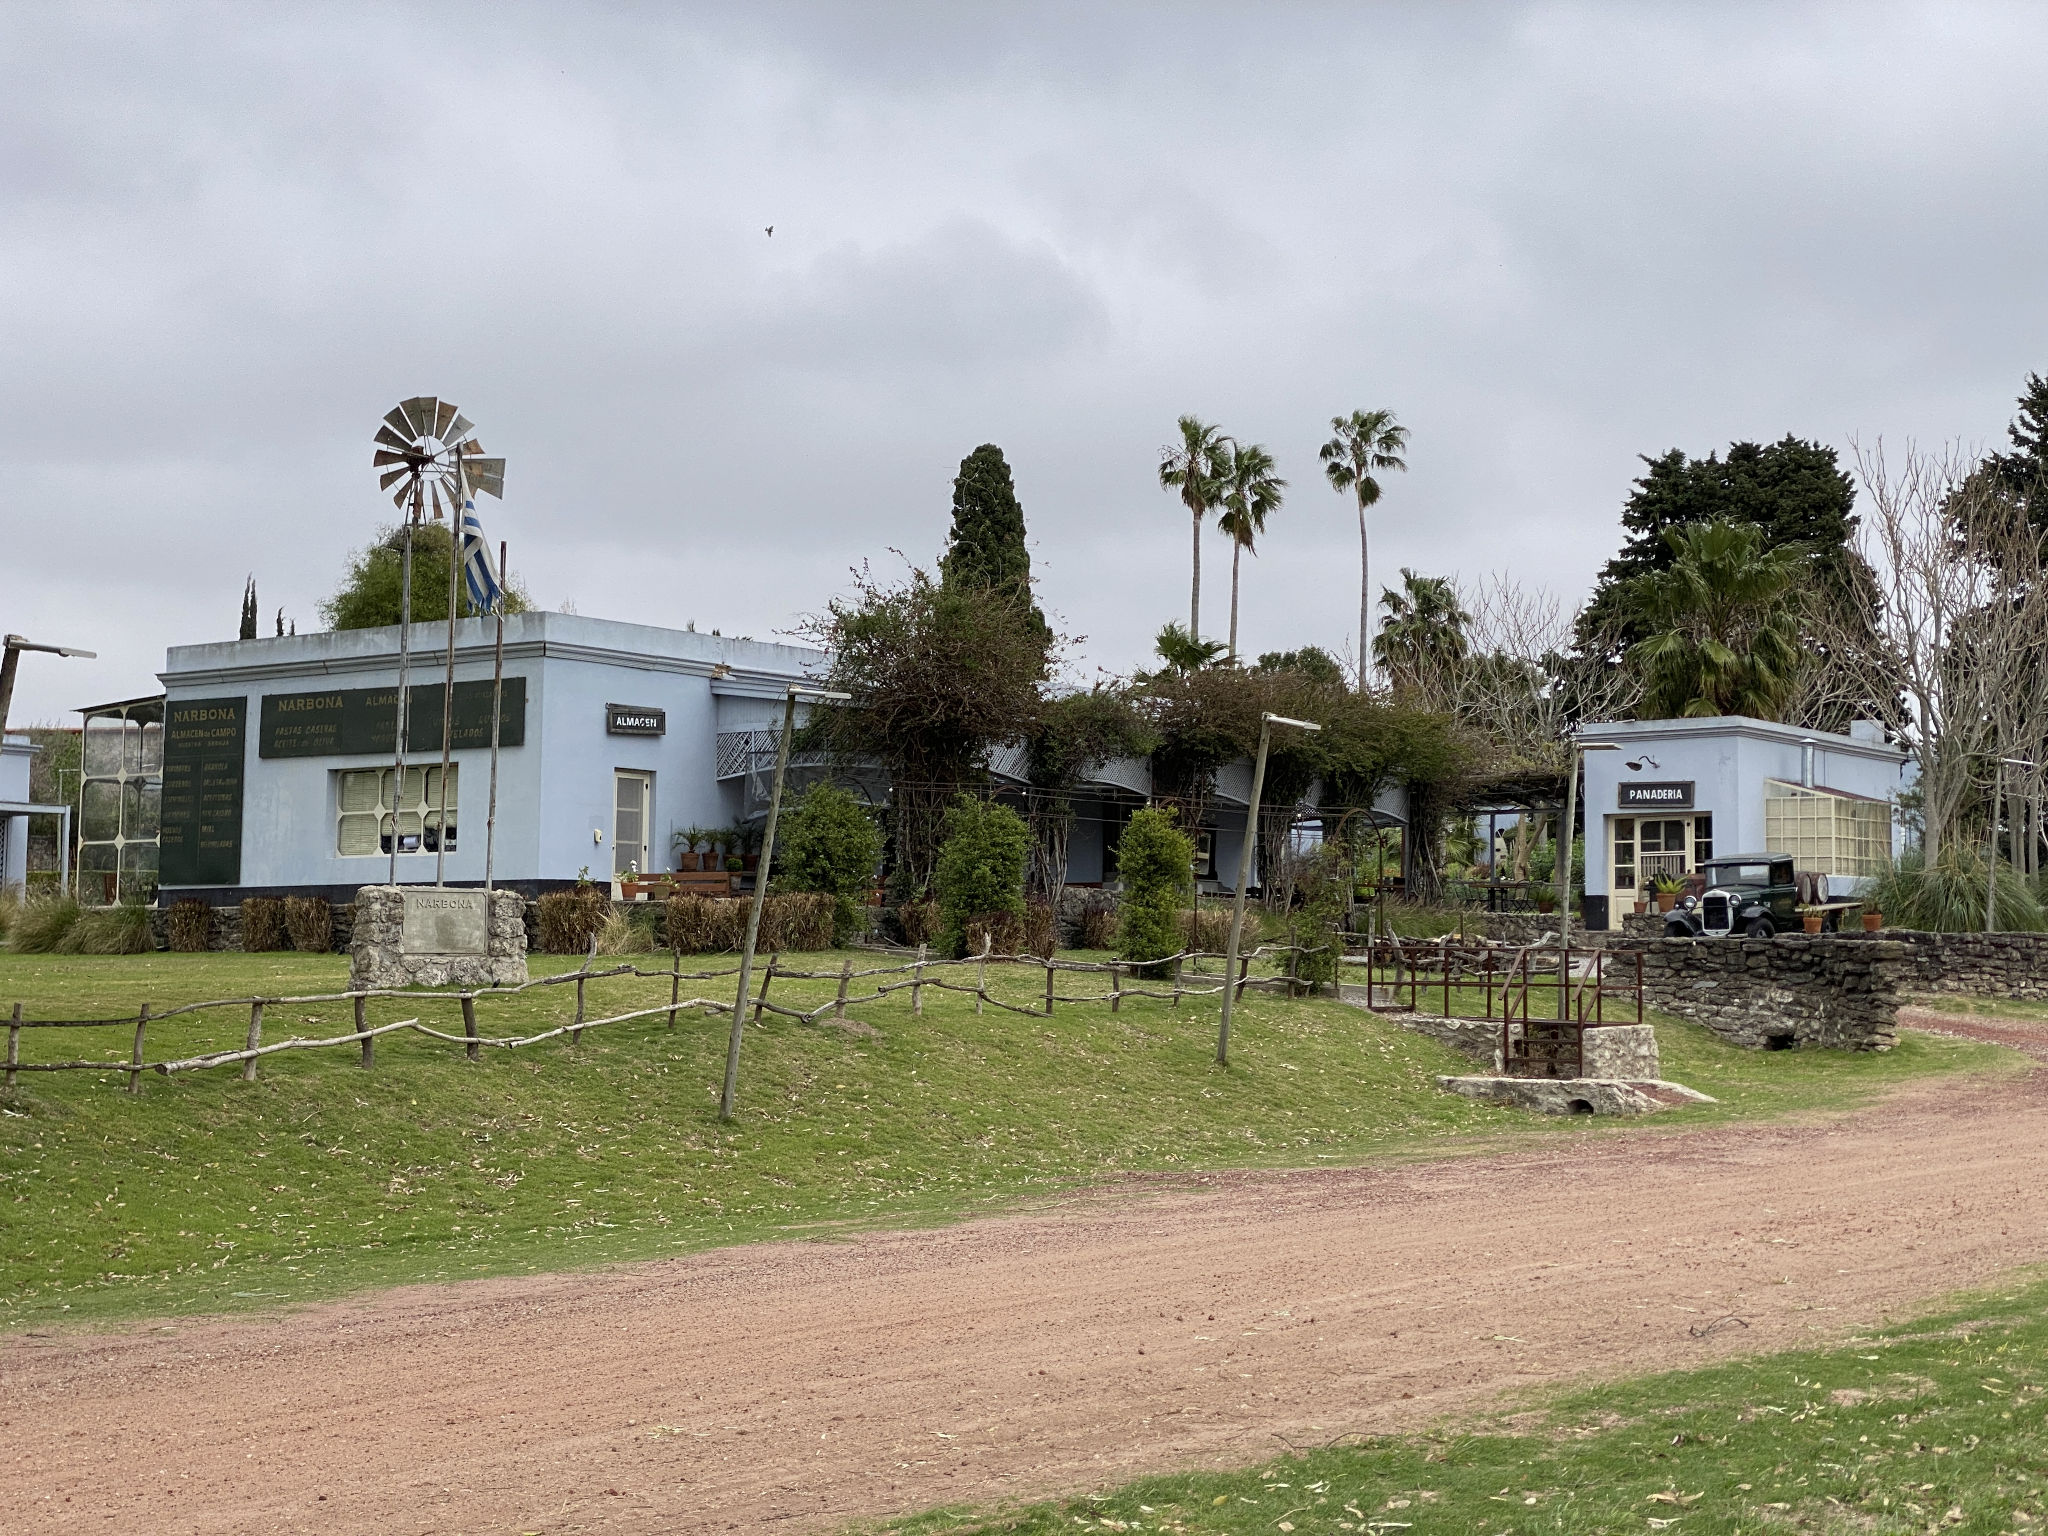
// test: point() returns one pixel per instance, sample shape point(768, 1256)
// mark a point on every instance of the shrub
point(1948, 896)
point(1325, 887)
point(1098, 923)
point(698, 925)
point(1041, 929)
point(1205, 929)
point(703, 925)
point(1155, 860)
point(999, 933)
point(120, 930)
point(832, 847)
point(919, 921)
point(263, 926)
point(621, 933)
point(980, 873)
point(566, 921)
point(310, 922)
point(10, 909)
point(41, 925)
point(798, 920)
point(189, 926)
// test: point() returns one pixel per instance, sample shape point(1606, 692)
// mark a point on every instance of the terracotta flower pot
point(1872, 921)
point(1642, 907)
point(1666, 900)
point(1811, 921)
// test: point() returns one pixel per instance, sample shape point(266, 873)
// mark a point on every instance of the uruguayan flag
point(484, 592)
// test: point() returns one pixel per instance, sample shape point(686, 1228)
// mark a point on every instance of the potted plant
point(1812, 921)
point(1872, 920)
point(1641, 907)
point(1668, 888)
point(1546, 901)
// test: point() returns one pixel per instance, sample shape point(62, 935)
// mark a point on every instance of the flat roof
point(1740, 725)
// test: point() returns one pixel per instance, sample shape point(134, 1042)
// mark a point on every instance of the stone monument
point(435, 936)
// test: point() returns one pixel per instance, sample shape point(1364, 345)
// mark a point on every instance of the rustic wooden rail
point(920, 972)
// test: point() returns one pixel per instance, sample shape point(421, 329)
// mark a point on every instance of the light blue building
point(1673, 793)
point(17, 753)
point(278, 772)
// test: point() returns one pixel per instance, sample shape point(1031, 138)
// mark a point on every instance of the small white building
point(1675, 793)
point(17, 754)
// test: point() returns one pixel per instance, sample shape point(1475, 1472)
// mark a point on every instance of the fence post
point(469, 1024)
point(767, 981)
point(14, 1045)
point(1176, 982)
point(1048, 988)
point(576, 1034)
point(981, 977)
point(135, 1071)
point(845, 976)
point(1116, 986)
point(255, 1039)
point(1639, 989)
point(675, 985)
point(917, 985)
point(1244, 970)
point(1447, 981)
point(363, 1024)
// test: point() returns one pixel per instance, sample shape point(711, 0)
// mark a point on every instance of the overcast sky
point(1549, 237)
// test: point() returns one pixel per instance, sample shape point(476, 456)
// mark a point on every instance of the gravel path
point(791, 1387)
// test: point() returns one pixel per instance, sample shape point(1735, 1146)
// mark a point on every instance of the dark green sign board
point(202, 807)
point(345, 722)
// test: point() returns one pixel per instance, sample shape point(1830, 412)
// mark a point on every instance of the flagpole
point(497, 708)
point(404, 672)
point(455, 516)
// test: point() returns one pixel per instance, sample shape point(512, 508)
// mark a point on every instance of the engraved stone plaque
point(443, 922)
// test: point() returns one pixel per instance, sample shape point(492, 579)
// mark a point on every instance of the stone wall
point(1624, 1052)
point(377, 957)
point(1983, 964)
point(1835, 990)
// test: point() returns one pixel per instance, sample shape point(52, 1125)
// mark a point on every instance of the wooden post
point(1176, 983)
point(1447, 981)
point(13, 1045)
point(369, 1041)
point(917, 985)
point(1639, 989)
point(135, 1071)
point(576, 1035)
point(1116, 987)
point(981, 978)
point(469, 1024)
point(1244, 971)
point(1048, 989)
point(845, 976)
point(256, 1035)
point(767, 981)
point(675, 985)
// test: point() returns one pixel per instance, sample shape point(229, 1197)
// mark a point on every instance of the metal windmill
point(425, 450)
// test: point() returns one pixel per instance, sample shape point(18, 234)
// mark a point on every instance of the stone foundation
point(1574, 1095)
point(1839, 991)
point(377, 957)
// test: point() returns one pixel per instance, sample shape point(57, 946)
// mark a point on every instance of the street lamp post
point(1244, 873)
point(739, 1007)
point(10, 660)
point(1564, 868)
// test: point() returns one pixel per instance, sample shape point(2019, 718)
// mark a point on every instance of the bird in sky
point(771, 231)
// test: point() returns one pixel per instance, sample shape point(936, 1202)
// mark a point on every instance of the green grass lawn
point(1935, 1426)
point(208, 1193)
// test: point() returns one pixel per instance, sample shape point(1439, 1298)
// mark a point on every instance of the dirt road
point(795, 1386)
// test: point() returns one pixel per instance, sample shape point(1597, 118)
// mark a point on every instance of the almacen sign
point(352, 722)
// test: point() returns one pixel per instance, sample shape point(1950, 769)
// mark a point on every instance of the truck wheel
point(1759, 928)
point(1832, 923)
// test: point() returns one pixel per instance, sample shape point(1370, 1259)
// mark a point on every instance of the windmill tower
point(425, 450)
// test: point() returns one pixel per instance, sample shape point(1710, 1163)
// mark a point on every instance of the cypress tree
point(248, 630)
point(985, 551)
point(2023, 473)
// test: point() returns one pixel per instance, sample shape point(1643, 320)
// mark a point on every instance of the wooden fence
point(920, 972)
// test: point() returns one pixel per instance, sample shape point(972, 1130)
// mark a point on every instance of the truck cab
point(1748, 895)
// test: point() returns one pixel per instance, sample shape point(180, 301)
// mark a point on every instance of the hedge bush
point(1099, 919)
point(565, 922)
point(980, 874)
point(1206, 929)
point(310, 922)
point(1155, 860)
point(832, 847)
point(263, 926)
point(919, 921)
point(188, 926)
point(794, 920)
point(41, 925)
point(118, 930)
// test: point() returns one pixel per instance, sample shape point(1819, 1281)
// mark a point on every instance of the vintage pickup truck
point(1753, 895)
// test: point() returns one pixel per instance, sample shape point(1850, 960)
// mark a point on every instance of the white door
point(632, 813)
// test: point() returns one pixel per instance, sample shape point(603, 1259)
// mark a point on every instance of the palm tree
point(1195, 467)
point(1423, 643)
point(1366, 444)
point(1723, 625)
point(1182, 653)
point(1251, 494)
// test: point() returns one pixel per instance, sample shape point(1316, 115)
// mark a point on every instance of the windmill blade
point(444, 413)
point(486, 475)
point(385, 456)
point(395, 420)
point(404, 495)
point(471, 449)
point(434, 495)
point(419, 411)
point(459, 428)
point(391, 477)
point(389, 439)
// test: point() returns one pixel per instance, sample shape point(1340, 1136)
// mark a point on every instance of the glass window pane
point(102, 750)
point(358, 836)
point(152, 748)
point(140, 804)
point(431, 792)
point(359, 791)
point(99, 811)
